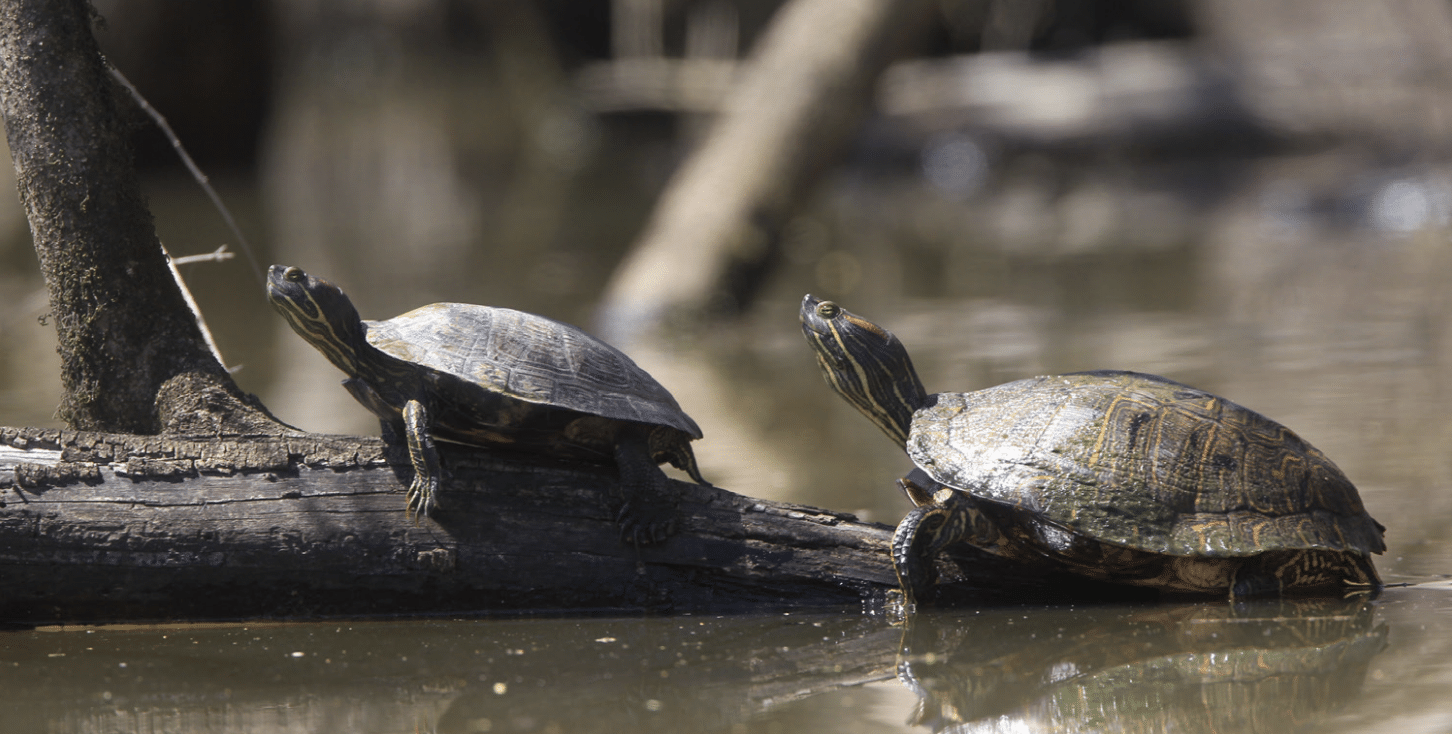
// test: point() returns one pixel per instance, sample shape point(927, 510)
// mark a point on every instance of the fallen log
point(107, 528)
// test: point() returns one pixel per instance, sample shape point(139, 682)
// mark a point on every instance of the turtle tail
point(674, 446)
point(683, 458)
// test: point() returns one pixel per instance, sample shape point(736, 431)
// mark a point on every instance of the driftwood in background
point(109, 528)
point(802, 95)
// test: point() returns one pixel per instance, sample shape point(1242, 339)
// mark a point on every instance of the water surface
point(1320, 665)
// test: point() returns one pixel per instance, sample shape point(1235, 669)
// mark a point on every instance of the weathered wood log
point(804, 91)
point(102, 527)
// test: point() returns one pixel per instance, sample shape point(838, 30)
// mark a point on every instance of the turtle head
point(320, 313)
point(865, 364)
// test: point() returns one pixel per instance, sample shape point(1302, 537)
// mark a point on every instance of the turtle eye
point(828, 310)
point(295, 275)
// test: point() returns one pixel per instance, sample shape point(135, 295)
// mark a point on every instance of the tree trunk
point(132, 357)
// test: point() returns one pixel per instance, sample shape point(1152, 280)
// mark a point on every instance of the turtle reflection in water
point(1260, 665)
point(495, 377)
point(1117, 476)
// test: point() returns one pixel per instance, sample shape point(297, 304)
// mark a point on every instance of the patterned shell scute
point(529, 357)
point(1144, 462)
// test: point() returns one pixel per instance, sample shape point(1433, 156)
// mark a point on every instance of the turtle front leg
point(648, 505)
point(425, 459)
point(951, 517)
point(421, 451)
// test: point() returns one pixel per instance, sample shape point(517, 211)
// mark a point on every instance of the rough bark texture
point(804, 93)
point(126, 335)
point(110, 527)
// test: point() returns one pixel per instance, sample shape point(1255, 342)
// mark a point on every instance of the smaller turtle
point(495, 377)
point(1117, 476)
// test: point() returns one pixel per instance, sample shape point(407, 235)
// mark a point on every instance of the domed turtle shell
point(1142, 462)
point(530, 358)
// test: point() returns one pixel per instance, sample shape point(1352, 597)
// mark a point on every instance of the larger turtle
point(496, 377)
point(1118, 476)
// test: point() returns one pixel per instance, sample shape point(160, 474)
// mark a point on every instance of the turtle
point(500, 378)
point(1118, 476)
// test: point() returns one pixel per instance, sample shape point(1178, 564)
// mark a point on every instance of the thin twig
point(192, 304)
point(218, 255)
point(192, 166)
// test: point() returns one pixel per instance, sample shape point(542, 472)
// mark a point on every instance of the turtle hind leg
point(423, 491)
point(685, 460)
point(1304, 572)
point(648, 505)
point(950, 518)
point(1255, 583)
point(674, 445)
point(682, 457)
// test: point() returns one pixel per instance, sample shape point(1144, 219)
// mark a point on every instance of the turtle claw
point(644, 526)
point(898, 607)
point(425, 459)
point(422, 498)
point(647, 513)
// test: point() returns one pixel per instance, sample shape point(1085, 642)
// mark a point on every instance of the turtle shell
point(1142, 462)
point(529, 358)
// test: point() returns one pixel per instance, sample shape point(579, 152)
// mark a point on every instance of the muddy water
point(1338, 665)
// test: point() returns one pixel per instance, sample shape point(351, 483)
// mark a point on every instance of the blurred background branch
point(717, 226)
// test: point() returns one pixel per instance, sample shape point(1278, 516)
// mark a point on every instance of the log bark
point(108, 528)
point(132, 356)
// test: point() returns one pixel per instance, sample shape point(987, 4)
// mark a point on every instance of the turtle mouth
point(288, 290)
point(281, 278)
point(274, 283)
point(811, 320)
point(280, 274)
point(822, 338)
